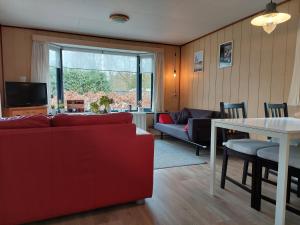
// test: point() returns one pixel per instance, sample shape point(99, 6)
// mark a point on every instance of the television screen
point(22, 94)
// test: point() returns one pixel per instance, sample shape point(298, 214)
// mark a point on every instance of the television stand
point(25, 111)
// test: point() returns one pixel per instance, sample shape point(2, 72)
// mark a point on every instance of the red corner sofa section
point(57, 166)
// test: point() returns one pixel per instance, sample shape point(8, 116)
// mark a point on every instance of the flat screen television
point(22, 94)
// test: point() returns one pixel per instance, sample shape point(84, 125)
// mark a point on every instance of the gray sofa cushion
point(272, 153)
point(175, 116)
point(248, 146)
point(175, 130)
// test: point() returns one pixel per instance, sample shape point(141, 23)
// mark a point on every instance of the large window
point(88, 74)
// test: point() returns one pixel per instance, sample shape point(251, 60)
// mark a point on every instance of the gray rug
point(174, 153)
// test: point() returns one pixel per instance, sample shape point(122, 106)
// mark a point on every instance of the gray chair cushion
point(272, 154)
point(248, 146)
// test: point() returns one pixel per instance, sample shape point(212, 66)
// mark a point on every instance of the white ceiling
point(163, 21)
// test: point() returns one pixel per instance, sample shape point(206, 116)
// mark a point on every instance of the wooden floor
point(181, 197)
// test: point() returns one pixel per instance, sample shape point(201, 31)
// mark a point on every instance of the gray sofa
point(199, 126)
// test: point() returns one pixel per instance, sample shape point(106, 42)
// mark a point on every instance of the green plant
point(105, 101)
point(83, 81)
point(139, 103)
point(61, 105)
point(94, 106)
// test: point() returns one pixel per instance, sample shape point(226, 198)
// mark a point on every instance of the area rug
point(174, 153)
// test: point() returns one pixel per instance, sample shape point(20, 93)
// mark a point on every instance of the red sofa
point(73, 164)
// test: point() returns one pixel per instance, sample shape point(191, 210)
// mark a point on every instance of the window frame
point(139, 90)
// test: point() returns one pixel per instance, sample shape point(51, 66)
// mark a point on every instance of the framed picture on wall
point(225, 54)
point(198, 61)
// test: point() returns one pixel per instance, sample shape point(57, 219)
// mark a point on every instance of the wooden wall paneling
point(190, 72)
point(171, 84)
point(17, 44)
point(213, 71)
point(290, 47)
point(220, 73)
point(200, 79)
point(206, 73)
point(262, 64)
point(177, 80)
point(244, 63)
point(195, 82)
point(265, 71)
point(255, 53)
point(227, 71)
point(183, 78)
point(278, 62)
point(235, 70)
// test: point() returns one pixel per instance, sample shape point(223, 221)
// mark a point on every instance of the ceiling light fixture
point(270, 18)
point(119, 18)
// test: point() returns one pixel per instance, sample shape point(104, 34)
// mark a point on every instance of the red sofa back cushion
point(64, 120)
point(165, 118)
point(37, 121)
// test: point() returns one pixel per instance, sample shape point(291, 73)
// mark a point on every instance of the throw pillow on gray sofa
point(183, 116)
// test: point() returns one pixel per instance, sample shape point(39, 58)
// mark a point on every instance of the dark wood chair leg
point(254, 182)
point(245, 172)
point(298, 187)
point(224, 168)
point(258, 185)
point(161, 135)
point(288, 189)
point(266, 175)
point(197, 151)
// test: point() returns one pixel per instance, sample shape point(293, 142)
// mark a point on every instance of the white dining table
point(285, 129)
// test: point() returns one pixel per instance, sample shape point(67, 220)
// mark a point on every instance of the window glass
point(90, 75)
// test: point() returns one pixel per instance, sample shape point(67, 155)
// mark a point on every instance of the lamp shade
point(270, 18)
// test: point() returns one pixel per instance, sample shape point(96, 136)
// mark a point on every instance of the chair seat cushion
point(272, 154)
point(248, 146)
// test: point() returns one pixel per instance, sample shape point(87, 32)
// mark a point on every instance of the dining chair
point(268, 157)
point(239, 144)
point(275, 111)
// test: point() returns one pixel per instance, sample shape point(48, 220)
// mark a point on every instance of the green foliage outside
point(83, 81)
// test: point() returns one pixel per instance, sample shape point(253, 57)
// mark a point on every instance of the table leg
point(213, 157)
point(283, 161)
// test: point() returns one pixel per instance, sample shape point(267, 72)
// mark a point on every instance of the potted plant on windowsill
point(139, 106)
point(53, 110)
point(94, 107)
point(106, 102)
point(61, 107)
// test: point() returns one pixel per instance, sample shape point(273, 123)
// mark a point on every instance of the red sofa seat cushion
point(64, 120)
point(165, 118)
point(18, 122)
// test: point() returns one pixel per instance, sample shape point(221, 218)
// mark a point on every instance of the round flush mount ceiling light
point(119, 18)
point(270, 18)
